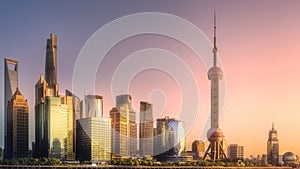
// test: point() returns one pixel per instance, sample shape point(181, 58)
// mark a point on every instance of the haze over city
point(257, 43)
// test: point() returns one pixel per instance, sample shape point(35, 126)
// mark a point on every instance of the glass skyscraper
point(146, 129)
point(124, 127)
point(170, 137)
point(273, 147)
point(93, 139)
point(10, 86)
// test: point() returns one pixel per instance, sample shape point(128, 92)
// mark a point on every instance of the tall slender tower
point(10, 86)
point(50, 64)
point(215, 135)
point(273, 147)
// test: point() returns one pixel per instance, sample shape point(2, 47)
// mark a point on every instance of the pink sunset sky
point(258, 44)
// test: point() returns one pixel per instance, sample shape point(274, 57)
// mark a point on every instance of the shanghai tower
point(215, 135)
point(50, 64)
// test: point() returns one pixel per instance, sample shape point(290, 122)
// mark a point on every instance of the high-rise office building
point(51, 64)
point(146, 129)
point(124, 127)
point(235, 151)
point(216, 148)
point(93, 139)
point(59, 127)
point(17, 126)
point(198, 148)
point(170, 137)
point(76, 115)
point(273, 147)
point(10, 86)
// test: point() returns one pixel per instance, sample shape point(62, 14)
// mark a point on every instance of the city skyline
point(260, 86)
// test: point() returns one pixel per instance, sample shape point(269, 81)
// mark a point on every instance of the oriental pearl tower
point(215, 150)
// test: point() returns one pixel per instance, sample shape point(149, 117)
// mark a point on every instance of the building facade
point(92, 106)
point(235, 151)
point(59, 128)
point(170, 137)
point(10, 86)
point(146, 129)
point(17, 127)
point(198, 148)
point(124, 127)
point(273, 147)
point(93, 139)
point(76, 116)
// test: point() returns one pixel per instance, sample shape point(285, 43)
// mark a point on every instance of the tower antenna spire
point(215, 50)
point(215, 30)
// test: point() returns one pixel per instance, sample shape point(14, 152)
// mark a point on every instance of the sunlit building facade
point(146, 129)
point(17, 127)
point(76, 115)
point(10, 86)
point(273, 147)
point(124, 127)
point(198, 148)
point(235, 151)
point(59, 116)
point(93, 139)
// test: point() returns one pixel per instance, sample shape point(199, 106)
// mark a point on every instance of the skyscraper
point(41, 91)
point(124, 133)
point(51, 111)
point(93, 131)
point(170, 138)
point(59, 127)
point(146, 129)
point(10, 86)
point(215, 135)
point(235, 151)
point(273, 147)
point(17, 126)
point(50, 64)
point(93, 139)
point(76, 115)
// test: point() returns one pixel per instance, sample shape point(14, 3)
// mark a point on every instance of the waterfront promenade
point(128, 167)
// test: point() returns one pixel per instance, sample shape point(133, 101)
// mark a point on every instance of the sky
point(258, 44)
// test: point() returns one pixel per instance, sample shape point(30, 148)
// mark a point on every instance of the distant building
point(146, 129)
point(289, 159)
point(93, 139)
point(124, 127)
point(10, 86)
point(264, 158)
point(235, 151)
point(92, 106)
point(273, 147)
point(170, 137)
point(198, 148)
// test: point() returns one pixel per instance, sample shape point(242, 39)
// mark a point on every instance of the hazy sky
point(258, 43)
